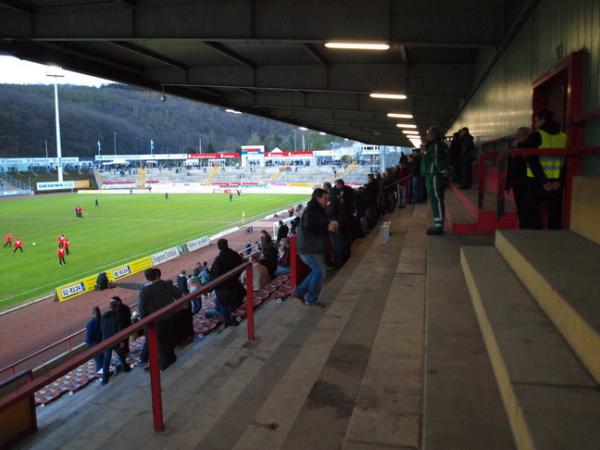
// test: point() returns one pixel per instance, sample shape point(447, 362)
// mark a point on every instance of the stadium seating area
point(80, 377)
point(257, 175)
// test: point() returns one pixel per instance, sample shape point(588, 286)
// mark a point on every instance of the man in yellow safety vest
point(544, 178)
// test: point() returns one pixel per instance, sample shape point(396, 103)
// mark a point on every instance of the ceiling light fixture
point(400, 116)
point(303, 128)
point(410, 132)
point(405, 125)
point(387, 96)
point(233, 111)
point(357, 45)
point(322, 133)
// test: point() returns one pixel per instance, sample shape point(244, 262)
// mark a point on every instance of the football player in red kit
point(67, 245)
point(61, 256)
point(61, 240)
point(18, 245)
point(8, 240)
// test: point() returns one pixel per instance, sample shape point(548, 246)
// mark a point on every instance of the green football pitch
point(122, 228)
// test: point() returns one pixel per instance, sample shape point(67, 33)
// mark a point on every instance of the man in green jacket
point(434, 167)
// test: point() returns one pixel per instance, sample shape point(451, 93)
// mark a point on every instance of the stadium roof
point(267, 57)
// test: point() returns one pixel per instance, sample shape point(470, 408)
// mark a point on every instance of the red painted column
point(250, 302)
point(157, 414)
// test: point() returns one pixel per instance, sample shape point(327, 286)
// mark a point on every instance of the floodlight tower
point(56, 73)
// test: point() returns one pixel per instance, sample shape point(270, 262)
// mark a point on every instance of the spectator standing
point(93, 335)
point(110, 327)
point(312, 246)
point(193, 282)
point(282, 231)
point(544, 174)
point(455, 157)
point(434, 168)
point(230, 293)
point(516, 172)
point(182, 282)
point(124, 313)
point(370, 197)
point(154, 296)
point(467, 156)
point(341, 210)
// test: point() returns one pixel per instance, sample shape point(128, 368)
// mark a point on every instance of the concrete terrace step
point(459, 219)
point(206, 378)
point(389, 408)
point(312, 404)
point(463, 408)
point(552, 402)
point(560, 270)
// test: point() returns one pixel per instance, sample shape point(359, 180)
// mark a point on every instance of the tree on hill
point(92, 114)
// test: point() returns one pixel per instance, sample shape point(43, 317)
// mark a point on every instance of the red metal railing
point(149, 323)
point(572, 168)
point(67, 339)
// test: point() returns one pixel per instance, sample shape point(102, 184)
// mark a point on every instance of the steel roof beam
point(223, 50)
point(151, 54)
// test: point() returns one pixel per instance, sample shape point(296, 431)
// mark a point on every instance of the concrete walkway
point(353, 375)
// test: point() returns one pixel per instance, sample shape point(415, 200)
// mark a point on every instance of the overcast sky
point(17, 71)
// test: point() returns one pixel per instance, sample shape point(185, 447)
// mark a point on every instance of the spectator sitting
point(283, 261)
point(93, 335)
point(260, 274)
point(248, 249)
point(110, 327)
point(269, 252)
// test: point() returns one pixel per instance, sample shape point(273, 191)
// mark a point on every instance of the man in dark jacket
point(182, 282)
point(341, 209)
point(124, 313)
point(467, 156)
point(516, 172)
point(110, 327)
point(230, 293)
point(93, 335)
point(154, 296)
point(370, 193)
point(544, 174)
point(312, 246)
point(282, 231)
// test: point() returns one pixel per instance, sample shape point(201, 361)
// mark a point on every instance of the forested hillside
point(89, 114)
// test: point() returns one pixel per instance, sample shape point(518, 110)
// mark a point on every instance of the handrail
point(36, 384)
point(12, 366)
point(500, 157)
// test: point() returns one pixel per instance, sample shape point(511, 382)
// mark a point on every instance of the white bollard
point(385, 232)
